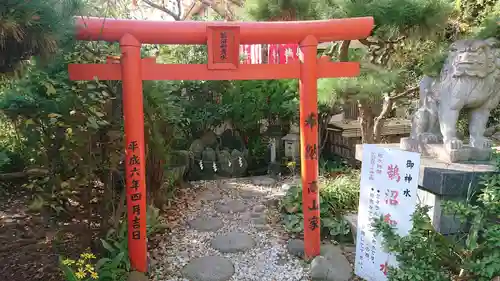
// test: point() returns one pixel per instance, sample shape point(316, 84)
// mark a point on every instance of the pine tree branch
point(222, 11)
point(344, 50)
point(188, 15)
point(165, 9)
point(370, 43)
point(386, 109)
point(179, 8)
point(214, 6)
point(34, 172)
point(379, 120)
point(404, 94)
point(237, 3)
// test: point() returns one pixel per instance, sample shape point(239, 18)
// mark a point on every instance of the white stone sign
point(388, 188)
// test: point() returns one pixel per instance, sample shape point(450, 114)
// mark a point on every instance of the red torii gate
point(223, 40)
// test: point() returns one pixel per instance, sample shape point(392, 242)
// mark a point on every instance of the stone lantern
point(274, 134)
point(292, 142)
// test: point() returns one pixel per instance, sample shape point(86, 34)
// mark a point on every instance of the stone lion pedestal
point(439, 151)
point(439, 181)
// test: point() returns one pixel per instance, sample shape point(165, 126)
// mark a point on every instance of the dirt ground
point(29, 243)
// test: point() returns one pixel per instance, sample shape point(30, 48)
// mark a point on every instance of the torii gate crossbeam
point(223, 40)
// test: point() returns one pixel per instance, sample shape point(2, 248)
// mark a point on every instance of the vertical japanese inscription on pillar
point(311, 152)
point(311, 121)
point(133, 162)
point(312, 190)
point(223, 47)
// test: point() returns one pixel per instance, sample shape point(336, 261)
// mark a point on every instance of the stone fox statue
point(470, 79)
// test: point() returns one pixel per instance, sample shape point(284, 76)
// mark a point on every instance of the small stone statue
point(470, 79)
point(425, 121)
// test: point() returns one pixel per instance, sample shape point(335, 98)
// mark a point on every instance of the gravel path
point(229, 235)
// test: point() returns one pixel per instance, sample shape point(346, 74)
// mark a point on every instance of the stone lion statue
point(470, 79)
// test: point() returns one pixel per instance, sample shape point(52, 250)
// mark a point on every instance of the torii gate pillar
point(308, 93)
point(223, 40)
point(135, 165)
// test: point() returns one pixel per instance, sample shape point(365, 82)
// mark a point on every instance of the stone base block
point(443, 223)
point(438, 151)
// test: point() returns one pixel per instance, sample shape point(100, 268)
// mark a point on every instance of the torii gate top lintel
point(195, 32)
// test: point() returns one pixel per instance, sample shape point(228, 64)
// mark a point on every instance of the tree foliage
point(36, 27)
point(243, 104)
point(281, 9)
point(63, 126)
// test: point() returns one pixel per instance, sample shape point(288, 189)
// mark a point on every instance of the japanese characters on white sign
point(388, 188)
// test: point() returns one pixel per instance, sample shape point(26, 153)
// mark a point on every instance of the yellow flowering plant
point(116, 265)
point(291, 165)
point(87, 269)
point(82, 269)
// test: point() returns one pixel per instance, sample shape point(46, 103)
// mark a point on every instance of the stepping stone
point(260, 220)
point(259, 208)
point(272, 201)
point(325, 270)
point(210, 195)
point(263, 181)
point(331, 252)
point(231, 206)
point(255, 215)
point(137, 276)
point(248, 194)
point(233, 242)
point(229, 186)
point(210, 268)
point(262, 227)
point(206, 224)
point(296, 247)
point(331, 265)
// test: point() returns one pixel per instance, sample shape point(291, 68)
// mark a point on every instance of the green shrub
point(341, 193)
point(333, 168)
point(10, 161)
point(337, 196)
point(116, 264)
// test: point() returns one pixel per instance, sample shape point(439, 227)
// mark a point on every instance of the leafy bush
point(341, 193)
point(425, 254)
point(10, 161)
point(330, 168)
point(337, 196)
point(116, 265)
